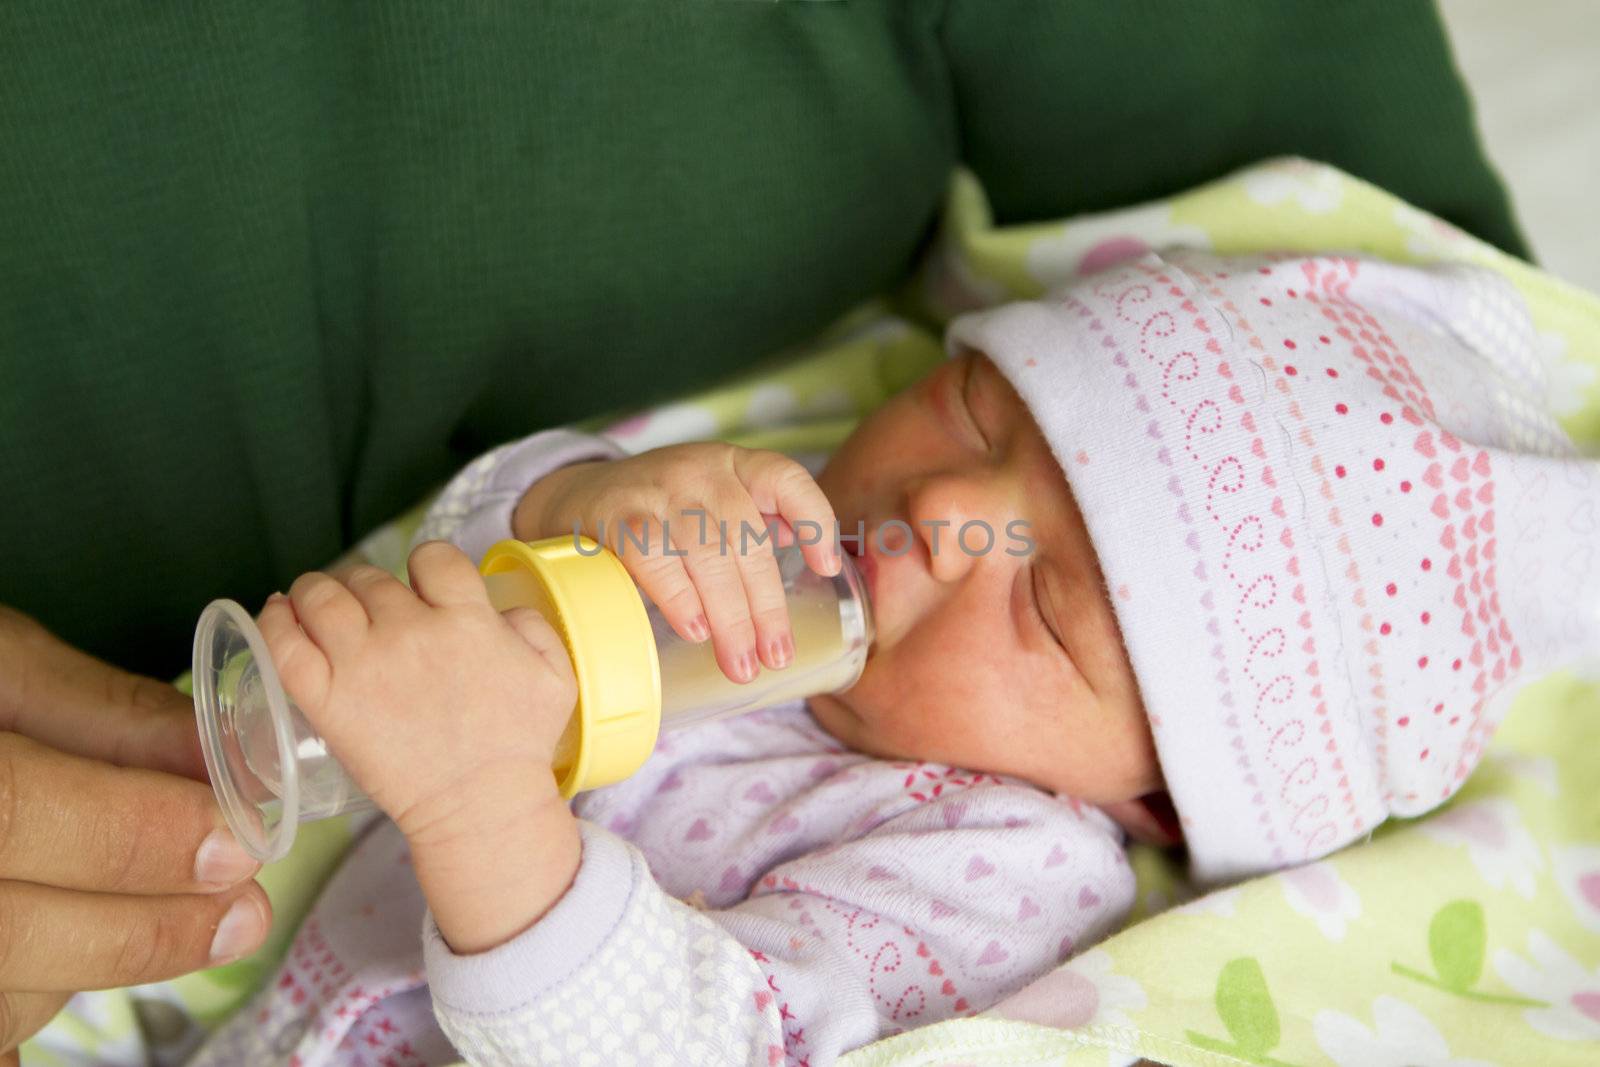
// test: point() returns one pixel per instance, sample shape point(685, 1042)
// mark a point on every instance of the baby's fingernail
point(746, 667)
point(239, 931)
point(221, 862)
point(698, 629)
point(780, 651)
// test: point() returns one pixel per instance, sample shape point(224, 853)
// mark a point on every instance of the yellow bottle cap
point(587, 595)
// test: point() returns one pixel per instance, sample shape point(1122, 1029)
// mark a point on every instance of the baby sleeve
point(933, 911)
point(474, 509)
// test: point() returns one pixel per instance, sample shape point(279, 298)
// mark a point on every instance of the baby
point(1294, 528)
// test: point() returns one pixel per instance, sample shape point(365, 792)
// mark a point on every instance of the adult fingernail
point(221, 861)
point(239, 931)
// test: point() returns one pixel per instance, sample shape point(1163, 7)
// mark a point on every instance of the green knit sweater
point(268, 271)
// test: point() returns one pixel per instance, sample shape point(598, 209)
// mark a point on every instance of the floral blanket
point(1466, 938)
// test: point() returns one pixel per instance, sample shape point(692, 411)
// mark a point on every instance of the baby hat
point(1336, 523)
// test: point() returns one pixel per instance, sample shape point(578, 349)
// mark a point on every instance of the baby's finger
point(302, 667)
point(779, 485)
point(763, 587)
point(379, 592)
point(536, 630)
point(714, 571)
point(661, 575)
point(329, 613)
point(442, 575)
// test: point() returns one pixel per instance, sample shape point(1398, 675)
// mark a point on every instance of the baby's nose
point(959, 518)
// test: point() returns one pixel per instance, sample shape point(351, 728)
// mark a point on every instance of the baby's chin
point(837, 718)
point(846, 726)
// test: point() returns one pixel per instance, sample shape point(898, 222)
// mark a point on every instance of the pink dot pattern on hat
point(1308, 463)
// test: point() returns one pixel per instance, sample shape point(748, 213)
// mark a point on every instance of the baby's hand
point(444, 710)
point(728, 590)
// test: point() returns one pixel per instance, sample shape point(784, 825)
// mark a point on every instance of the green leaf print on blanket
point(1456, 941)
point(1246, 1008)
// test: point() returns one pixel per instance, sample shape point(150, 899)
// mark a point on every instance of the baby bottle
point(272, 771)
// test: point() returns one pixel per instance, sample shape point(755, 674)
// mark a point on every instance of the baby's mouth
point(865, 564)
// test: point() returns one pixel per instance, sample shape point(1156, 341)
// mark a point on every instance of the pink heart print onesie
point(753, 894)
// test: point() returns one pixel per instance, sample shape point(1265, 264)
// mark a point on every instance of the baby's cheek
point(1110, 755)
point(968, 727)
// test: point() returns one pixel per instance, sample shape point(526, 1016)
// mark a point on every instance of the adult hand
point(116, 867)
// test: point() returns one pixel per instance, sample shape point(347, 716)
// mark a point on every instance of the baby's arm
point(474, 510)
point(703, 519)
point(446, 712)
point(940, 910)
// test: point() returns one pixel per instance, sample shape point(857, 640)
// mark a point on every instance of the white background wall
point(1534, 69)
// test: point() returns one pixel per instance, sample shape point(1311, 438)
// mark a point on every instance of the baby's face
point(987, 660)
